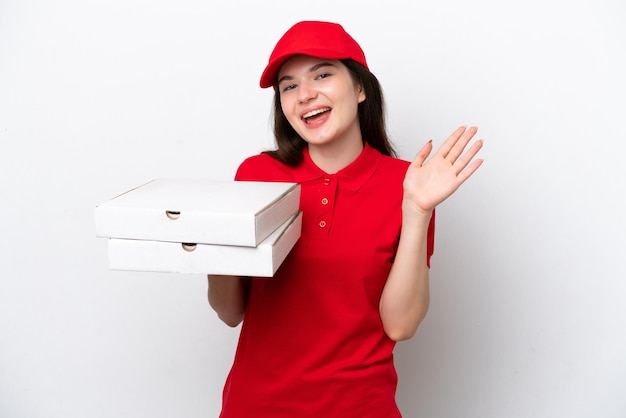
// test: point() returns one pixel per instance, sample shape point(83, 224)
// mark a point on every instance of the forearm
point(228, 296)
point(406, 295)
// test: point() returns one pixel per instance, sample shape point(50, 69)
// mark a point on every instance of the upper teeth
point(315, 112)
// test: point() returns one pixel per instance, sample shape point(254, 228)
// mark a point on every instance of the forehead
point(303, 63)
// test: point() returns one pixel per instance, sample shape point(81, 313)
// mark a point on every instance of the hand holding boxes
point(202, 226)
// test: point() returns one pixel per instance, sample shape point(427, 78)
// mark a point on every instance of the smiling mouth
point(309, 116)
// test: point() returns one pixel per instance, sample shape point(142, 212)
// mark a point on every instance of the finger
point(468, 156)
point(446, 146)
point(422, 154)
point(471, 169)
point(459, 145)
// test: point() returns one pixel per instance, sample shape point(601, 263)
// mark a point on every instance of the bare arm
point(406, 296)
point(228, 296)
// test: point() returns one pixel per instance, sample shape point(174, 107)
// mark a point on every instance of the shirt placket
point(325, 203)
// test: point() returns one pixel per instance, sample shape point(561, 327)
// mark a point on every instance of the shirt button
point(324, 201)
point(322, 224)
point(326, 182)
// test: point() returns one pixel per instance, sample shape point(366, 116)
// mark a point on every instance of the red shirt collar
point(352, 177)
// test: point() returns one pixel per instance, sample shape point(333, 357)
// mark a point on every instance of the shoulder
point(393, 166)
point(262, 167)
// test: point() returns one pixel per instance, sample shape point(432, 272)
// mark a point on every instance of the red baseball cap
point(318, 39)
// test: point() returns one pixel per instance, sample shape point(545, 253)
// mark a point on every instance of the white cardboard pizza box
point(199, 211)
point(171, 257)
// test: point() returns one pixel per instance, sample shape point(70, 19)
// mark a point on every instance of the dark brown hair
point(371, 119)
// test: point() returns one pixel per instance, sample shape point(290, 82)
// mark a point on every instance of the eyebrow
point(311, 70)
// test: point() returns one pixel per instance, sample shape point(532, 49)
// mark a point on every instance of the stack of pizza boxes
point(238, 228)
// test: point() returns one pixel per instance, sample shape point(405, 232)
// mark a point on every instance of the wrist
point(410, 210)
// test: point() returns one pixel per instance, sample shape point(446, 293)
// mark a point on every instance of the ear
point(361, 97)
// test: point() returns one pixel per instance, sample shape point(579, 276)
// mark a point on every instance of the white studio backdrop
point(527, 316)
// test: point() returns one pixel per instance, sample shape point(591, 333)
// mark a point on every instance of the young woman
point(317, 339)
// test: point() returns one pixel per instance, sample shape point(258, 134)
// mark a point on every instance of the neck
point(333, 157)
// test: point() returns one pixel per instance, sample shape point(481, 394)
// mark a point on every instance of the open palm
point(430, 181)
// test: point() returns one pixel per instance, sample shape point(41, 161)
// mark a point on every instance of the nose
point(306, 92)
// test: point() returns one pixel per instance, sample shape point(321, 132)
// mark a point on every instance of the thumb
point(422, 154)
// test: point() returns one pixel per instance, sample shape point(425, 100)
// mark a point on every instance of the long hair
point(371, 114)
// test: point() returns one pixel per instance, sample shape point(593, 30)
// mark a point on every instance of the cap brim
point(270, 74)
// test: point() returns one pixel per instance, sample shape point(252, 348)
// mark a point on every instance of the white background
point(96, 97)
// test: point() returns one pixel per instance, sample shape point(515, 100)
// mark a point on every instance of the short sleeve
point(430, 239)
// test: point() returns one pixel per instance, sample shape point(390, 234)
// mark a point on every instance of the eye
point(289, 87)
point(323, 76)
